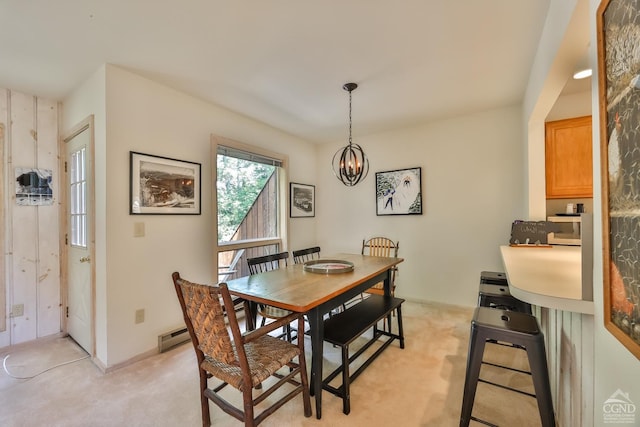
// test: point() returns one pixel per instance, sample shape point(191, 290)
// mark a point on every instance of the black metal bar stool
point(519, 329)
point(494, 292)
point(499, 297)
point(493, 278)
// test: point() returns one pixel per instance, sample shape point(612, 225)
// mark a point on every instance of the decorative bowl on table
point(328, 266)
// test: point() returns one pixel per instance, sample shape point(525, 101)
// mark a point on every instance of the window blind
point(245, 155)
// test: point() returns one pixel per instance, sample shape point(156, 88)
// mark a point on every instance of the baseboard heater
point(172, 338)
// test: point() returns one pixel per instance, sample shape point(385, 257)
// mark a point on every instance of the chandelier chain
point(349, 117)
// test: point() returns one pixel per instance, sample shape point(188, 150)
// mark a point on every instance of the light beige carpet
point(418, 386)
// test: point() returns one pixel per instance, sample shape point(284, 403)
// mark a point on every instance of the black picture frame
point(399, 192)
point(163, 186)
point(302, 200)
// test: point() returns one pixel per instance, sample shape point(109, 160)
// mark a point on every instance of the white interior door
point(79, 237)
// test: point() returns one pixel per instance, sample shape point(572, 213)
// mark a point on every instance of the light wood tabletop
point(292, 288)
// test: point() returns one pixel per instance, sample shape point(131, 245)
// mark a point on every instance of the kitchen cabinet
point(568, 158)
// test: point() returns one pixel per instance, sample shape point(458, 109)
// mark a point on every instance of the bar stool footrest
point(487, 423)
point(520, 371)
point(506, 387)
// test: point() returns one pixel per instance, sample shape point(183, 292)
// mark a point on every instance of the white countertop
point(547, 276)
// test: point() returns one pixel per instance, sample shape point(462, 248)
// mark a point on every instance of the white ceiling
point(284, 62)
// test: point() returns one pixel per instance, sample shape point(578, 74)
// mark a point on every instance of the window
point(77, 195)
point(249, 204)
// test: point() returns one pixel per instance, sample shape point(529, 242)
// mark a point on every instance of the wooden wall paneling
point(576, 367)
point(560, 367)
point(24, 221)
point(4, 335)
point(548, 328)
point(557, 346)
point(48, 266)
point(542, 314)
point(557, 364)
point(566, 358)
point(570, 349)
point(587, 369)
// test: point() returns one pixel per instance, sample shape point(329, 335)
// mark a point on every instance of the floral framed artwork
point(618, 31)
point(163, 186)
point(399, 192)
point(302, 202)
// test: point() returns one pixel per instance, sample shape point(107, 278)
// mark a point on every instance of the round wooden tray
point(328, 266)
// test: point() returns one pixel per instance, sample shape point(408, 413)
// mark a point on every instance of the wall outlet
point(17, 310)
point(140, 315)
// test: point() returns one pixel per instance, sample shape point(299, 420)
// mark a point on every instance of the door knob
point(85, 259)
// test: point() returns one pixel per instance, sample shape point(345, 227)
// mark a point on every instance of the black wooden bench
point(345, 327)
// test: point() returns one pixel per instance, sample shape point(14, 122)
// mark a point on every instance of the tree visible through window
point(239, 184)
point(250, 195)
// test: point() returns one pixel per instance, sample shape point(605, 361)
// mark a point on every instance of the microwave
point(567, 230)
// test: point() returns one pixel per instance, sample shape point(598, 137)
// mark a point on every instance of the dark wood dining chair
point(262, 264)
point(244, 361)
point(303, 255)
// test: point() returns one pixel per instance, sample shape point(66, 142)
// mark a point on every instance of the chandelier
point(350, 164)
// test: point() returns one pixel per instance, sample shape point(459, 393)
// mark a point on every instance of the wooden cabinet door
point(568, 157)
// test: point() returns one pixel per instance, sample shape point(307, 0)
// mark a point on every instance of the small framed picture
point(34, 187)
point(399, 192)
point(163, 186)
point(302, 200)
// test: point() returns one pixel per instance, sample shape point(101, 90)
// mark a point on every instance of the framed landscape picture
point(163, 186)
point(618, 31)
point(302, 200)
point(399, 192)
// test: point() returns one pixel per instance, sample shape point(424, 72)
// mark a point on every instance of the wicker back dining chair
point(262, 264)
point(243, 361)
point(384, 247)
point(303, 255)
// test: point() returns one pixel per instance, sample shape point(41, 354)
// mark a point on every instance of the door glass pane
point(77, 194)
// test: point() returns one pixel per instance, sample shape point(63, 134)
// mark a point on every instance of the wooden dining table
point(292, 288)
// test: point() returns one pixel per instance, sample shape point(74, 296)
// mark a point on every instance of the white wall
point(90, 99)
point(135, 273)
point(471, 184)
point(569, 106)
point(563, 41)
